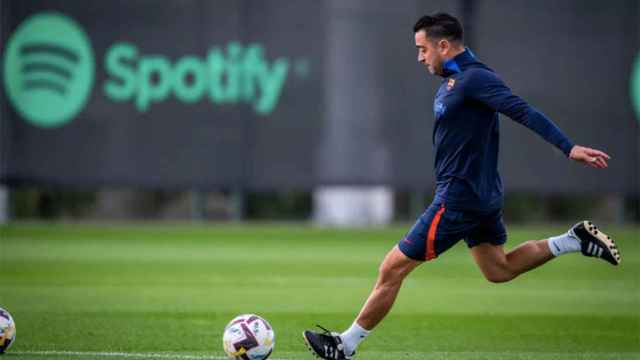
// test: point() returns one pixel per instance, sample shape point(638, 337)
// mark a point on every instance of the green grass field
point(166, 292)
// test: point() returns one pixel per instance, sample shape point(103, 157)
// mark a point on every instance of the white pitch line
point(120, 354)
point(123, 354)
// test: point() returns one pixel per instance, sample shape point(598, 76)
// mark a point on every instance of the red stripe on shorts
point(431, 237)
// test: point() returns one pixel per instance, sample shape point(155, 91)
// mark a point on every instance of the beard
point(435, 68)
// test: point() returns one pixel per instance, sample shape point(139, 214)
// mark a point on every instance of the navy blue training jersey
point(466, 133)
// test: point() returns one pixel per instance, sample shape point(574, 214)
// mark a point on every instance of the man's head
point(438, 37)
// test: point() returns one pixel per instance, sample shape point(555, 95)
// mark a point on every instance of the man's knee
point(395, 267)
point(499, 272)
point(493, 263)
point(499, 276)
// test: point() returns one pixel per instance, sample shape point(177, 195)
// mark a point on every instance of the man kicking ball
point(469, 197)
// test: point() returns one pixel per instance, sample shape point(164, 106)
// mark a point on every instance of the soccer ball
point(248, 337)
point(7, 330)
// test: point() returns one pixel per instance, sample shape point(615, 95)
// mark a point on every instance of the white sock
point(563, 244)
point(353, 337)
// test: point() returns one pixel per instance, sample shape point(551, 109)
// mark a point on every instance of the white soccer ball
point(7, 330)
point(248, 337)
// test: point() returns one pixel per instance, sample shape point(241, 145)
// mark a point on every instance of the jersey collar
point(458, 63)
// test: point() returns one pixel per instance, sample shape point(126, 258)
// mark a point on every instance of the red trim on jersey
point(431, 237)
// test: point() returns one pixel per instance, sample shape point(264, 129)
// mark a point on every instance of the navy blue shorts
point(439, 228)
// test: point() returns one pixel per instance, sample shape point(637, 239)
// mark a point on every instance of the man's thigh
point(491, 259)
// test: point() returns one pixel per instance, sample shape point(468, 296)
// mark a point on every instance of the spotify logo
point(48, 69)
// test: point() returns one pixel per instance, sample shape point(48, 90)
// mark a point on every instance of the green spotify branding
point(49, 71)
point(239, 74)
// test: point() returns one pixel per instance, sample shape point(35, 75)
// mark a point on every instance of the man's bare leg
point(394, 269)
point(498, 266)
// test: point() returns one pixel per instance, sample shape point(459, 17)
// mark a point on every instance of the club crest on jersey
point(450, 83)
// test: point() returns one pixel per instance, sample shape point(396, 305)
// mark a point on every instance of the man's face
point(430, 53)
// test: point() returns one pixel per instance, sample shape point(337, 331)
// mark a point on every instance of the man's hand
point(592, 157)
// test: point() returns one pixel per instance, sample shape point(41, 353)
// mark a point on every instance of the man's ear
point(443, 45)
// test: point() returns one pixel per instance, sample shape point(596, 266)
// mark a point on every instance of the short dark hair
point(440, 26)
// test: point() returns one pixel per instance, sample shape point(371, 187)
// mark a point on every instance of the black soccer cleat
point(595, 243)
point(326, 345)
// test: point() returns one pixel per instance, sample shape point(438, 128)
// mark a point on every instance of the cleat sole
point(306, 342)
point(605, 239)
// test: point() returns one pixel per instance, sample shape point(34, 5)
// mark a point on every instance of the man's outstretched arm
point(487, 88)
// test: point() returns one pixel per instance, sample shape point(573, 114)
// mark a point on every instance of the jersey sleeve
point(486, 87)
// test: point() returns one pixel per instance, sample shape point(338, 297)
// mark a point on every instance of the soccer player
point(469, 197)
